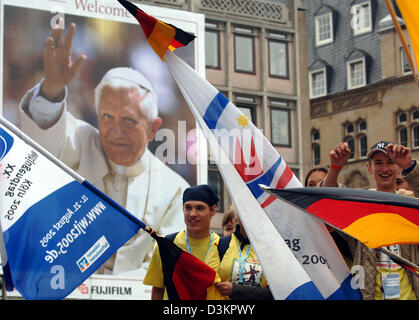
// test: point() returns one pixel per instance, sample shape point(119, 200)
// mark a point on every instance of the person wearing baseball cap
point(385, 159)
point(199, 206)
point(379, 146)
point(390, 281)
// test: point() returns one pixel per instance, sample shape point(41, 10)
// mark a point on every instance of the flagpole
point(402, 38)
point(398, 259)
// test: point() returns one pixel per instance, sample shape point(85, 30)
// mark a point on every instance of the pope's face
point(124, 130)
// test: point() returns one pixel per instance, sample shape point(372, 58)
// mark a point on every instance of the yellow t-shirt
point(199, 247)
point(392, 279)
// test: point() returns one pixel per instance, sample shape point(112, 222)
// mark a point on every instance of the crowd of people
point(393, 170)
point(116, 160)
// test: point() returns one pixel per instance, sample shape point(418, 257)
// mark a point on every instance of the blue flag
point(56, 228)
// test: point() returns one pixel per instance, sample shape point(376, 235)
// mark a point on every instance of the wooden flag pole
point(402, 38)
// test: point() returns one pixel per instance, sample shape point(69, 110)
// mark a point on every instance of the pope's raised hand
point(59, 69)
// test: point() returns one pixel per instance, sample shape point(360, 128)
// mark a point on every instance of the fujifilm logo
point(111, 290)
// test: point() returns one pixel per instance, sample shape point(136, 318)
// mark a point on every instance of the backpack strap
point(223, 245)
point(171, 236)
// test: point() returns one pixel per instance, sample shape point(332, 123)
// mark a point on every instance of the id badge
point(391, 285)
point(252, 273)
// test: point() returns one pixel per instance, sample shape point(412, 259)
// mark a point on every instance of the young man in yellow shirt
point(199, 206)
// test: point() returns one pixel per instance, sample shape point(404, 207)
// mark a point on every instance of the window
point(363, 146)
point(351, 144)
point(356, 73)
point(349, 128)
point(402, 128)
point(247, 105)
point(402, 136)
point(316, 154)
point(317, 82)
point(406, 68)
point(349, 136)
point(361, 18)
point(280, 127)
point(216, 182)
point(362, 138)
point(315, 135)
point(248, 112)
point(415, 130)
point(362, 125)
point(355, 134)
point(278, 59)
point(324, 29)
point(315, 139)
point(402, 117)
point(212, 48)
point(296, 172)
point(244, 50)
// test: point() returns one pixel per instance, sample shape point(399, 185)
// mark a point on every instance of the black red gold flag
point(160, 35)
point(185, 276)
point(375, 218)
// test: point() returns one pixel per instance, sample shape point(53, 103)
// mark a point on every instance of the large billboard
point(106, 37)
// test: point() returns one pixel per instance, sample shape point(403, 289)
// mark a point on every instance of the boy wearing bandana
point(199, 206)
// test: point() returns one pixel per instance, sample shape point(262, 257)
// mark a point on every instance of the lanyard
point(242, 261)
point(188, 245)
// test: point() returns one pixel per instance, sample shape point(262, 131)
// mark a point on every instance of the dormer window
point(324, 28)
point(361, 18)
point(356, 71)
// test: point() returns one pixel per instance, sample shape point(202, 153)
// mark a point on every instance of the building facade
point(255, 55)
point(360, 84)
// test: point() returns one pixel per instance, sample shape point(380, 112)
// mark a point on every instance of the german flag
point(375, 218)
point(160, 35)
point(185, 276)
